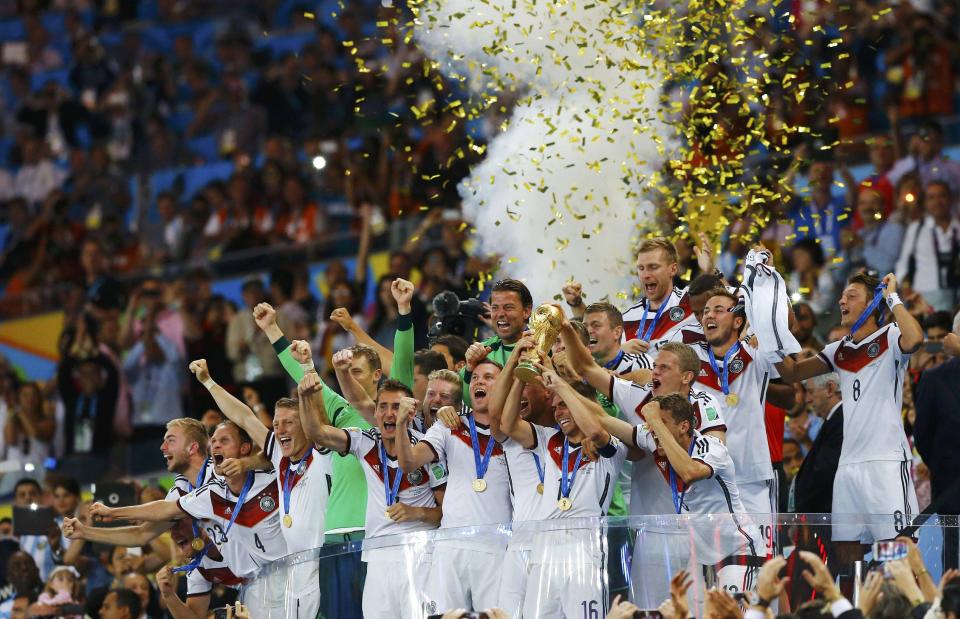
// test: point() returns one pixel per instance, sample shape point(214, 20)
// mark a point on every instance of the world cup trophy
point(545, 324)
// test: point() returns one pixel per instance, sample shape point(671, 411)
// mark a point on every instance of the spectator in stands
point(254, 360)
point(818, 212)
point(28, 432)
point(425, 362)
point(930, 254)
point(454, 350)
point(23, 575)
point(792, 459)
point(291, 317)
point(120, 604)
point(813, 486)
point(804, 326)
point(926, 158)
point(875, 245)
point(937, 404)
point(810, 275)
point(147, 595)
point(38, 175)
point(27, 493)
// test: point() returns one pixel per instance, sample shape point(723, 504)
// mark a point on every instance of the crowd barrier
point(569, 568)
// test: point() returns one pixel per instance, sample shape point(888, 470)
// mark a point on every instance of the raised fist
point(264, 315)
point(447, 415)
point(343, 318)
point(402, 291)
point(476, 353)
point(573, 293)
point(199, 369)
point(300, 351)
point(342, 360)
point(310, 383)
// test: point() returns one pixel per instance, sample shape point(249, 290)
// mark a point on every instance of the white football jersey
point(311, 479)
point(625, 363)
point(647, 492)
point(524, 478)
point(209, 573)
point(416, 487)
point(255, 538)
point(872, 374)
point(462, 506)
point(594, 480)
point(717, 494)
point(749, 376)
point(675, 316)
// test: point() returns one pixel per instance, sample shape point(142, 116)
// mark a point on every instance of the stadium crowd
point(150, 148)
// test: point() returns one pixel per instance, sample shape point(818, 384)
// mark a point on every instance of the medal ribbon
point(191, 488)
point(566, 485)
point(239, 505)
point(613, 363)
point(877, 297)
point(481, 464)
point(678, 496)
point(189, 567)
point(288, 483)
point(725, 374)
point(390, 489)
point(536, 460)
point(644, 334)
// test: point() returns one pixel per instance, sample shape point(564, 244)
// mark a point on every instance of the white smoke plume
point(561, 190)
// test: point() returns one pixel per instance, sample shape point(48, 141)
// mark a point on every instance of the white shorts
point(565, 589)
point(657, 556)
point(463, 578)
point(872, 501)
point(394, 589)
point(759, 499)
point(513, 580)
point(265, 596)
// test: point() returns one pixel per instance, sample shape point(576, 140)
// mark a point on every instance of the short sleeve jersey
point(675, 316)
point(716, 494)
point(255, 538)
point(182, 485)
point(872, 374)
point(210, 572)
point(416, 487)
point(309, 481)
point(648, 494)
point(524, 477)
point(462, 506)
point(593, 481)
point(749, 376)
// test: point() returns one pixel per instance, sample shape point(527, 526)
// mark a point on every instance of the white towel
point(766, 305)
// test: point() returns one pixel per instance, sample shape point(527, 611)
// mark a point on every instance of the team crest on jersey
point(711, 413)
point(415, 477)
point(873, 349)
point(736, 366)
point(267, 503)
point(676, 314)
point(438, 471)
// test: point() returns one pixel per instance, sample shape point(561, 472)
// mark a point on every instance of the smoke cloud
point(561, 190)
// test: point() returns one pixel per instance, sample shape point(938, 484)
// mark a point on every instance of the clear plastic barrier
point(569, 568)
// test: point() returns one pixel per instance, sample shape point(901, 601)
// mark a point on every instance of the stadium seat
point(12, 30)
point(205, 147)
point(196, 178)
point(60, 76)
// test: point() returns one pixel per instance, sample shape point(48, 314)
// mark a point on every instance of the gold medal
point(287, 520)
point(387, 514)
point(197, 544)
point(540, 488)
point(732, 399)
point(564, 504)
point(479, 485)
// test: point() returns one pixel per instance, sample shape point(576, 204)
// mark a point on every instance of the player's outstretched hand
point(476, 353)
point(264, 315)
point(342, 360)
point(621, 609)
point(889, 285)
point(72, 528)
point(636, 346)
point(300, 351)
point(100, 512)
point(199, 369)
point(448, 416)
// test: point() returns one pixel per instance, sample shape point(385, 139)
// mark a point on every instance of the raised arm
point(313, 416)
point(911, 333)
point(573, 295)
point(688, 469)
point(410, 457)
point(352, 391)
point(235, 410)
point(131, 537)
point(510, 422)
point(401, 367)
point(154, 511)
point(587, 420)
point(793, 371)
point(583, 362)
point(195, 607)
point(343, 318)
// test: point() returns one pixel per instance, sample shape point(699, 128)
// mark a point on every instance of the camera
point(456, 317)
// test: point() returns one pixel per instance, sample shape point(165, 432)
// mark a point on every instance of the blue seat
point(180, 119)
point(156, 39)
point(205, 147)
point(12, 30)
point(196, 178)
point(60, 76)
point(54, 22)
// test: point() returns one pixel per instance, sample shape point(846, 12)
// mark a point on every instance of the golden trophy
point(545, 324)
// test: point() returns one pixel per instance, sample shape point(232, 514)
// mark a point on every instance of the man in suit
point(812, 491)
point(935, 432)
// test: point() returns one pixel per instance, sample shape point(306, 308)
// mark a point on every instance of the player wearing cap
point(664, 308)
point(302, 474)
point(658, 551)
point(397, 502)
point(465, 573)
point(699, 473)
point(873, 476)
point(240, 515)
point(566, 568)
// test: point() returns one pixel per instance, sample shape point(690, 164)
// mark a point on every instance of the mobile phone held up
point(890, 550)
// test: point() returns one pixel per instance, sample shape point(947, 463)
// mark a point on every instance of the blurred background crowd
point(165, 166)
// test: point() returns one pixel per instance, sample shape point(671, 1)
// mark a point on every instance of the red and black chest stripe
point(463, 434)
point(255, 509)
point(850, 359)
